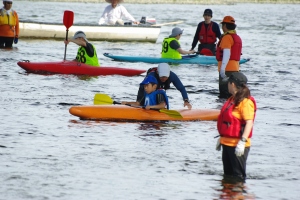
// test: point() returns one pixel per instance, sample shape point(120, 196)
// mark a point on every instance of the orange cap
point(228, 19)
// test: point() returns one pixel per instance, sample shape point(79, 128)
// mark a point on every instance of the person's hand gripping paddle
point(68, 22)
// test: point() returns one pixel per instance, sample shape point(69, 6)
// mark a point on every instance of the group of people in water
point(235, 122)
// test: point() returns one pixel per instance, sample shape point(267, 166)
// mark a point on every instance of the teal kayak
point(189, 59)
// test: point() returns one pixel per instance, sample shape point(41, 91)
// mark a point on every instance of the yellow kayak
point(127, 113)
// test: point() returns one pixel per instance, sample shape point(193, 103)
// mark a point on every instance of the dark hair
point(242, 93)
point(230, 26)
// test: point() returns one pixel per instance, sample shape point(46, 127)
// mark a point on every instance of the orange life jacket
point(235, 51)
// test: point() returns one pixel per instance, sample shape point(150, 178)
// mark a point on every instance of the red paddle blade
point(68, 18)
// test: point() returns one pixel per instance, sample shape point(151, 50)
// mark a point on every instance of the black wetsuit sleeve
point(196, 36)
point(216, 30)
point(89, 49)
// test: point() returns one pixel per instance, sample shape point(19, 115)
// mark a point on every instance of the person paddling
point(86, 52)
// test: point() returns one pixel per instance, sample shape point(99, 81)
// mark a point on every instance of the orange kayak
point(127, 113)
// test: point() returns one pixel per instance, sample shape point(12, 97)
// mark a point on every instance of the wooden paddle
point(168, 23)
point(103, 99)
point(68, 22)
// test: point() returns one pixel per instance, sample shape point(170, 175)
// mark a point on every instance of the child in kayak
point(153, 98)
point(171, 46)
point(86, 52)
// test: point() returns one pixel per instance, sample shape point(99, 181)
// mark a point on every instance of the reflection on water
point(151, 127)
point(234, 189)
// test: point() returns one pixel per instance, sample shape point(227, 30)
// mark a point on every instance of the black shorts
point(6, 42)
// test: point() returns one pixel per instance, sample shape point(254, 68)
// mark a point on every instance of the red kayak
point(76, 68)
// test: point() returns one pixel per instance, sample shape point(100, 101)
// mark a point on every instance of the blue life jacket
point(151, 100)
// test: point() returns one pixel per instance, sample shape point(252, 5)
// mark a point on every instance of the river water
point(46, 153)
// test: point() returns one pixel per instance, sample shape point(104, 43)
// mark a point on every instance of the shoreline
point(203, 2)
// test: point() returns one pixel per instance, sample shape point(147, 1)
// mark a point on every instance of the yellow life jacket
point(83, 57)
point(167, 51)
point(7, 18)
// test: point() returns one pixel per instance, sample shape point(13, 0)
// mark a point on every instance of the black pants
point(223, 86)
point(234, 165)
point(211, 47)
point(6, 42)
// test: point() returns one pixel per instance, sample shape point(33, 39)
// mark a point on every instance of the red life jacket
point(235, 51)
point(230, 126)
point(207, 36)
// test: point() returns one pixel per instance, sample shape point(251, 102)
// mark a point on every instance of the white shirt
point(111, 15)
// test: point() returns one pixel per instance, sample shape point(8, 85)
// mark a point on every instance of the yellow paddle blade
point(171, 113)
point(102, 99)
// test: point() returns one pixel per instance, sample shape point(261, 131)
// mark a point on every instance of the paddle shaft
point(66, 44)
point(105, 99)
point(157, 109)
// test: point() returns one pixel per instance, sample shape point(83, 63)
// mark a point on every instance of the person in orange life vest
point(171, 46)
point(235, 126)
point(153, 98)
point(207, 33)
point(228, 54)
point(9, 25)
point(86, 52)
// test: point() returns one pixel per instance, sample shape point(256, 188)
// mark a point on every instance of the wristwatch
point(186, 100)
point(244, 139)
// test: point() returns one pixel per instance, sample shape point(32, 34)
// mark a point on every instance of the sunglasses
point(8, 2)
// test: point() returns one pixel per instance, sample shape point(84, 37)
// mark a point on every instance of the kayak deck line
point(126, 113)
point(76, 68)
point(188, 59)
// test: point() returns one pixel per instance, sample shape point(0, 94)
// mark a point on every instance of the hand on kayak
point(186, 103)
point(192, 51)
point(125, 103)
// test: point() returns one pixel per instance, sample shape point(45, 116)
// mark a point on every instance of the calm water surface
point(46, 153)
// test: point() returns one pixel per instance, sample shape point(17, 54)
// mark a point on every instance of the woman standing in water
point(235, 125)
